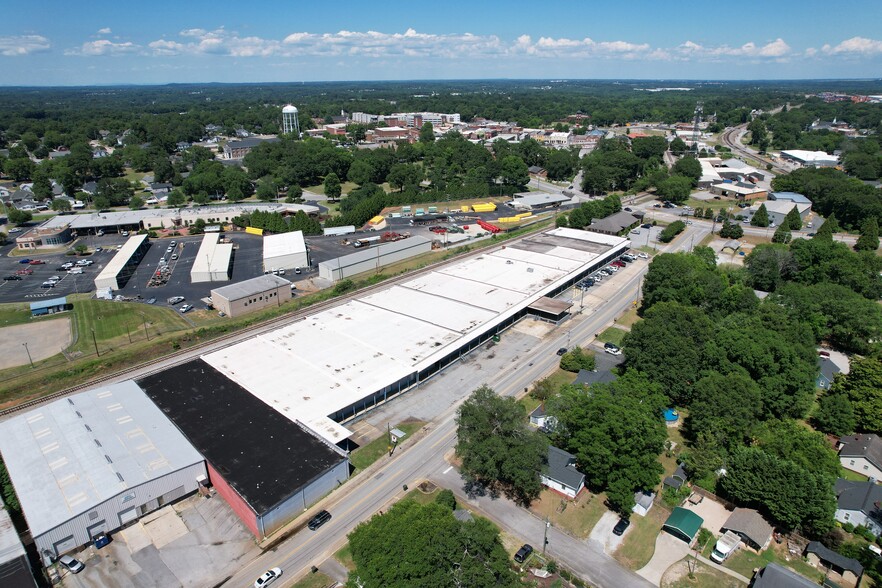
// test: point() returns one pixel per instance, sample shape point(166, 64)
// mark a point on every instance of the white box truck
point(726, 546)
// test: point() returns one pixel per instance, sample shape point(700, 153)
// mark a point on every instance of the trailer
point(367, 241)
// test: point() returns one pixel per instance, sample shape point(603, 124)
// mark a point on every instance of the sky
point(96, 42)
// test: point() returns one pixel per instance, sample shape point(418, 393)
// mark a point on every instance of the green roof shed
point(683, 524)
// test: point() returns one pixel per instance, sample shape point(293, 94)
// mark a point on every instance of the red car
point(36, 262)
point(618, 263)
point(25, 272)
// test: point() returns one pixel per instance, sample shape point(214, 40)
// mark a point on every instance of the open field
point(44, 339)
point(105, 325)
point(613, 335)
point(576, 517)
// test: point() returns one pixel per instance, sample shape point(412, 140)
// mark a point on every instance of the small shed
point(52, 306)
point(643, 501)
point(683, 524)
point(677, 479)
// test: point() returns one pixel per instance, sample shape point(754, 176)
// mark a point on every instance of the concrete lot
point(668, 551)
point(714, 514)
point(195, 542)
point(45, 339)
point(602, 532)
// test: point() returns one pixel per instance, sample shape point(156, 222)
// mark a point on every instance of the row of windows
point(261, 297)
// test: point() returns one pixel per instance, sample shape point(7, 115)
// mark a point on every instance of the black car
point(621, 526)
point(562, 350)
point(523, 553)
point(646, 226)
point(319, 520)
point(11, 278)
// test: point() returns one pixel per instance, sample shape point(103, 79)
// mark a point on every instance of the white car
point(174, 256)
point(75, 270)
point(186, 308)
point(267, 578)
point(635, 231)
point(642, 255)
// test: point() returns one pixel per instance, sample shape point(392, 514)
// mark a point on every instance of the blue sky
point(125, 42)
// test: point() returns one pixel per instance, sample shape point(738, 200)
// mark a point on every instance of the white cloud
point(104, 31)
point(103, 47)
point(16, 45)
point(776, 48)
point(587, 47)
point(811, 52)
point(855, 45)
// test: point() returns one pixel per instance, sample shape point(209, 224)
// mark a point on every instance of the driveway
point(602, 533)
point(668, 551)
point(714, 514)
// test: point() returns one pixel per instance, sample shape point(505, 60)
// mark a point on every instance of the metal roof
point(68, 456)
point(831, 557)
point(250, 287)
point(792, 196)
point(121, 258)
point(49, 303)
point(683, 524)
point(536, 199)
point(10, 544)
point(776, 576)
point(373, 252)
point(212, 257)
point(283, 244)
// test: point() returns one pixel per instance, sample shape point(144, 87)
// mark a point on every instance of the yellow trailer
point(254, 230)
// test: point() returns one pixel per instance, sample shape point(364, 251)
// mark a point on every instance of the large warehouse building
point(94, 461)
point(213, 260)
point(118, 271)
point(284, 251)
point(373, 258)
point(338, 362)
point(266, 466)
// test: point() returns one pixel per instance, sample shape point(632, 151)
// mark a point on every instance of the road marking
point(447, 470)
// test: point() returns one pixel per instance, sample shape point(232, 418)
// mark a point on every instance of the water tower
point(290, 124)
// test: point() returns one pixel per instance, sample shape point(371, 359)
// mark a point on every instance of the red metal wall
point(239, 506)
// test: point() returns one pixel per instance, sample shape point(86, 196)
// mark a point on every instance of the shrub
point(551, 566)
point(671, 231)
point(446, 498)
point(848, 527)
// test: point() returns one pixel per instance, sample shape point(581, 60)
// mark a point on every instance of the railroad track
point(728, 138)
point(153, 366)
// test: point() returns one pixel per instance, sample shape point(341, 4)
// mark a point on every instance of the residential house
point(827, 370)
point(589, 378)
point(561, 475)
point(844, 571)
point(777, 576)
point(859, 503)
point(538, 172)
point(862, 453)
point(750, 525)
point(538, 416)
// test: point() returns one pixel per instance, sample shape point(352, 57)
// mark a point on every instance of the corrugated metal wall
point(330, 271)
point(236, 502)
point(109, 511)
point(272, 520)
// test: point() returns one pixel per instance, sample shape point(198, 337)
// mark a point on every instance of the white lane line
point(447, 470)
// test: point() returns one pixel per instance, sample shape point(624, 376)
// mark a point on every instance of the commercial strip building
point(44, 307)
point(810, 158)
point(339, 362)
point(92, 462)
point(373, 258)
point(744, 191)
point(213, 261)
point(251, 295)
point(40, 238)
point(285, 251)
point(118, 271)
point(265, 465)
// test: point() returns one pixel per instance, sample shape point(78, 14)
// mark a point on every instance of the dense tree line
point(274, 222)
point(833, 192)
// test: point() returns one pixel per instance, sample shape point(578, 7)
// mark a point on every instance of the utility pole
point(129, 333)
point(545, 539)
point(29, 354)
point(95, 341)
point(145, 327)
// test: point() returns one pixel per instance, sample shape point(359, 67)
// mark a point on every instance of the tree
point(42, 188)
point(731, 230)
point(424, 545)
point(17, 216)
point(869, 239)
point(863, 387)
point(724, 409)
point(101, 202)
point(176, 199)
point(577, 359)
point(688, 167)
point(446, 499)
point(266, 191)
point(761, 218)
point(514, 171)
point(61, 205)
point(768, 266)
point(427, 133)
point(332, 186)
point(678, 146)
point(136, 202)
point(616, 432)
point(671, 231)
point(675, 188)
point(793, 220)
point(834, 414)
point(497, 448)
point(782, 234)
point(826, 231)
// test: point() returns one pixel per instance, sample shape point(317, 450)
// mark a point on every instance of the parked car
point(15, 230)
point(37, 262)
point(523, 553)
point(25, 272)
point(151, 301)
point(54, 279)
point(296, 270)
point(621, 526)
point(74, 565)
point(174, 256)
point(635, 231)
point(617, 264)
point(642, 255)
point(125, 233)
point(24, 261)
point(11, 278)
point(186, 308)
point(319, 520)
point(67, 265)
point(98, 250)
point(175, 300)
point(612, 349)
point(47, 285)
point(646, 226)
point(267, 578)
point(75, 270)
point(562, 350)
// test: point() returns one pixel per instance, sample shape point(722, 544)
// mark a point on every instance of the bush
point(447, 499)
point(576, 360)
point(551, 566)
point(566, 575)
point(704, 537)
point(342, 287)
point(848, 527)
point(671, 231)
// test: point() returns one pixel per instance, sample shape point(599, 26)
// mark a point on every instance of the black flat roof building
point(259, 460)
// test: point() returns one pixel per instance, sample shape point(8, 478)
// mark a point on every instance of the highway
point(423, 457)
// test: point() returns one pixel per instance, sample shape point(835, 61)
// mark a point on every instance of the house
point(614, 224)
point(539, 172)
point(776, 576)
point(561, 475)
point(750, 525)
point(859, 503)
point(677, 479)
point(845, 571)
point(538, 416)
point(827, 370)
point(683, 524)
point(862, 453)
point(643, 501)
point(589, 378)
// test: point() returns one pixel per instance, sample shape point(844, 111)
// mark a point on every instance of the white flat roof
point(121, 258)
point(283, 244)
point(708, 173)
point(10, 545)
point(809, 156)
point(740, 189)
point(70, 455)
point(337, 357)
point(212, 257)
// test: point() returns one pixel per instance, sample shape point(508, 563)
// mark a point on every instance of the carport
point(50, 306)
point(683, 524)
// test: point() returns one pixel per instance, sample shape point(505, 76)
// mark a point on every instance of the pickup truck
point(726, 546)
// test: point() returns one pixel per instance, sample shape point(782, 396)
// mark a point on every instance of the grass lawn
point(317, 580)
point(629, 318)
point(576, 517)
point(133, 176)
point(364, 456)
point(421, 497)
point(639, 544)
point(850, 475)
point(112, 323)
point(344, 556)
point(745, 561)
point(670, 463)
point(16, 314)
point(703, 577)
point(613, 335)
